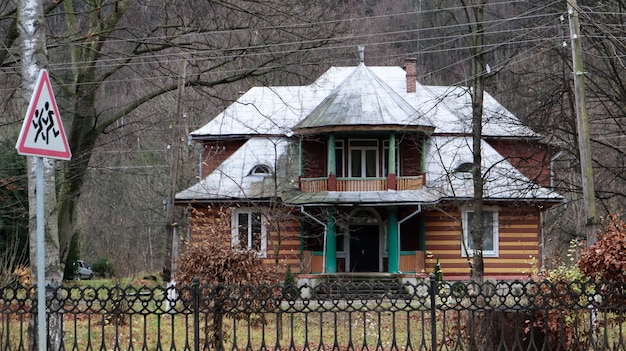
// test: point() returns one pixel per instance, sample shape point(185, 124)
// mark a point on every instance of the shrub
point(73, 255)
point(218, 265)
point(606, 258)
point(103, 267)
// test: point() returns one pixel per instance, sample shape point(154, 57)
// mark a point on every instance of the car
point(82, 270)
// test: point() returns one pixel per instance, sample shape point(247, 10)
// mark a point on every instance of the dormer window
point(465, 167)
point(260, 170)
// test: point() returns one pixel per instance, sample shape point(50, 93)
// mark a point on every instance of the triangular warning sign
point(42, 132)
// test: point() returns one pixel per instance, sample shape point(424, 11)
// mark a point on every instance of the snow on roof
point(233, 178)
point(502, 179)
point(362, 99)
point(268, 114)
point(276, 110)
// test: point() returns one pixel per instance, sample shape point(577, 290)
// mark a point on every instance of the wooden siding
point(519, 244)
point(283, 239)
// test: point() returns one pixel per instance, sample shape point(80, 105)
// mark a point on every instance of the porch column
point(391, 167)
point(331, 243)
point(393, 242)
point(332, 163)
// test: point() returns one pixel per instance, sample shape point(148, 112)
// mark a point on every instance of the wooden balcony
point(311, 185)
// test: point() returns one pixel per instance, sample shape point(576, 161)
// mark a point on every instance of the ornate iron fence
point(426, 315)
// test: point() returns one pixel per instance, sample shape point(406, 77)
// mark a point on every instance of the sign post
point(42, 135)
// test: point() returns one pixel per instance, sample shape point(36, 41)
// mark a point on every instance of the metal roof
point(363, 99)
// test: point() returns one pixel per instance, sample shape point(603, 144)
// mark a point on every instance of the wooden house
point(366, 170)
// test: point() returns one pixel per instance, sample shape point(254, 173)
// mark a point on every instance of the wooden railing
point(311, 185)
point(361, 184)
point(410, 262)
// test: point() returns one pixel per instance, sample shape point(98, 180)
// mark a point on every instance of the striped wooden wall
point(519, 244)
point(283, 240)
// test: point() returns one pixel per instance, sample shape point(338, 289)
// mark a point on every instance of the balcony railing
point(311, 185)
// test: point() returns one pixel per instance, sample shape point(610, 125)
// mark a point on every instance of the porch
point(410, 263)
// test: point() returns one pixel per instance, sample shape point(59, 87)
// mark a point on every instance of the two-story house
point(366, 170)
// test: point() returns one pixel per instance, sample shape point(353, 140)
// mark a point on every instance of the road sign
point(42, 131)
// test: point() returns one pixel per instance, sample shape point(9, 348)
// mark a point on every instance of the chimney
point(410, 66)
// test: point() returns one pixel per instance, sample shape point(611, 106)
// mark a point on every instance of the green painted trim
point(317, 253)
point(393, 242)
point(300, 158)
point(408, 253)
point(391, 167)
point(423, 165)
point(331, 154)
point(331, 242)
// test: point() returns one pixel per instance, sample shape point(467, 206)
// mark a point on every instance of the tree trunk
point(477, 91)
point(34, 58)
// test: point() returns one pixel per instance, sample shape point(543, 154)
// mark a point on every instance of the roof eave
point(364, 128)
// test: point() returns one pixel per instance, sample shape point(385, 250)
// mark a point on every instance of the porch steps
point(365, 286)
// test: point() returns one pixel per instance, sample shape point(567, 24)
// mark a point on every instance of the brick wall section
point(314, 159)
point(215, 152)
point(411, 156)
point(410, 66)
point(529, 157)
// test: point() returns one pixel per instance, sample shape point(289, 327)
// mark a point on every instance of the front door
point(364, 248)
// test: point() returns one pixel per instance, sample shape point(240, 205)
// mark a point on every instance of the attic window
point(465, 167)
point(262, 170)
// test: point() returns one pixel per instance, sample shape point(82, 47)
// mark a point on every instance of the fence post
point(433, 311)
point(196, 313)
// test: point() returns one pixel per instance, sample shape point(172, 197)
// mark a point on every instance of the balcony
point(311, 185)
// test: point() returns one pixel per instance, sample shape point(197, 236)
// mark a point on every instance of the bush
point(218, 265)
point(606, 258)
point(102, 267)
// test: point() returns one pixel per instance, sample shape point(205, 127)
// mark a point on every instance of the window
point(339, 158)
point(249, 231)
point(260, 170)
point(363, 158)
point(490, 232)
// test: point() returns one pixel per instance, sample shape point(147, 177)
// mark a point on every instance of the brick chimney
point(410, 66)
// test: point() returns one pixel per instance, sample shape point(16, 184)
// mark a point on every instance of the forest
point(115, 68)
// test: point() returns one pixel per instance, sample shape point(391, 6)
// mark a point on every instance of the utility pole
point(586, 166)
point(170, 225)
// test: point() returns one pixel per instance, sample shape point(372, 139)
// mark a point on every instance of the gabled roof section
point(363, 100)
point(232, 180)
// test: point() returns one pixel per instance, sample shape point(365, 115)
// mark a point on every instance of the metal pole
point(433, 311)
point(41, 266)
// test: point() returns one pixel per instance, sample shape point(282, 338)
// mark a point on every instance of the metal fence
point(427, 315)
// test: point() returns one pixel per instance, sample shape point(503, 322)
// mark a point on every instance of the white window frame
point(467, 232)
point(235, 229)
point(363, 155)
